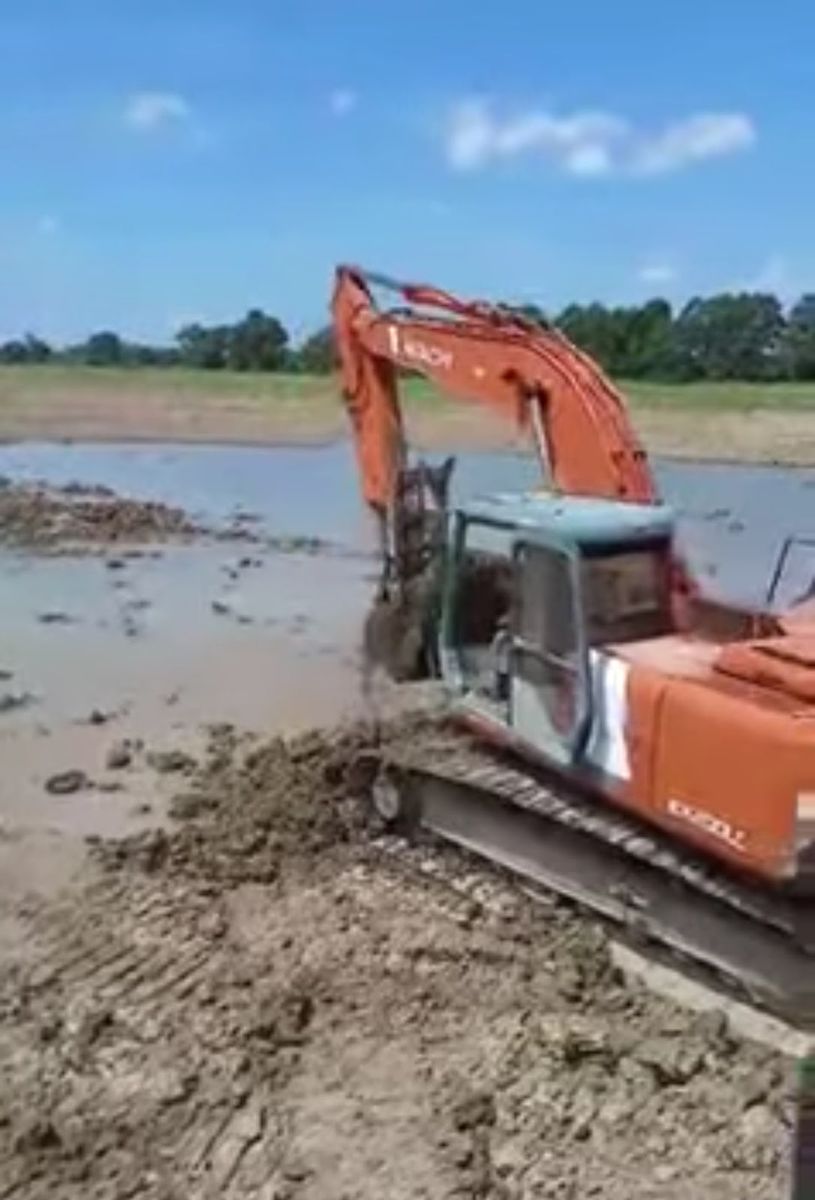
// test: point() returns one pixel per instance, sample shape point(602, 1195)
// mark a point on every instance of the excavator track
point(760, 945)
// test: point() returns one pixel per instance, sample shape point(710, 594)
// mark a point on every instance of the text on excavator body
point(419, 352)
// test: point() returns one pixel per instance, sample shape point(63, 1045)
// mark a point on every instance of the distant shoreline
point(714, 423)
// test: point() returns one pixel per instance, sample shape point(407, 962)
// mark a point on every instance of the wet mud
point(47, 518)
point(77, 518)
point(272, 998)
point(250, 990)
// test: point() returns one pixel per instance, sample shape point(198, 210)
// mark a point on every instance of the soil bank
point(155, 406)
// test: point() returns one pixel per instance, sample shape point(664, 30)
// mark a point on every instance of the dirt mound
point(271, 1001)
point(252, 807)
point(82, 518)
point(32, 515)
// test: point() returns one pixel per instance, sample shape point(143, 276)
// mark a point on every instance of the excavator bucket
point(399, 629)
point(419, 517)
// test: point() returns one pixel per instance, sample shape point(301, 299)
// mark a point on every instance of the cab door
point(550, 692)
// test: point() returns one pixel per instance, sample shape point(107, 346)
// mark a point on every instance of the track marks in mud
point(133, 1055)
point(167, 1049)
point(272, 1005)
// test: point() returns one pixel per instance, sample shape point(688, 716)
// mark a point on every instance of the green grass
point(299, 391)
point(47, 379)
point(723, 397)
point(727, 397)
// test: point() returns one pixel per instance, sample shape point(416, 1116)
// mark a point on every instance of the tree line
point(730, 336)
point(738, 336)
point(746, 335)
point(258, 342)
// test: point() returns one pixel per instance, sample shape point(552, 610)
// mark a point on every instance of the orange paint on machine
point(565, 626)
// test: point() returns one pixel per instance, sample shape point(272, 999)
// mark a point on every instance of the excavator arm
point(522, 370)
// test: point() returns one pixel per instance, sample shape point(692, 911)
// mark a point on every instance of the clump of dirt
point(40, 517)
point(170, 762)
point(65, 783)
point(271, 999)
point(251, 807)
point(394, 635)
point(14, 701)
point(82, 518)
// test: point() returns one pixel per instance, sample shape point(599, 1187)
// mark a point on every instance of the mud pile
point(251, 809)
point(79, 518)
point(274, 1001)
point(35, 516)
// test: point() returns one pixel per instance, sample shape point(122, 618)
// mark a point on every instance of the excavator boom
point(524, 371)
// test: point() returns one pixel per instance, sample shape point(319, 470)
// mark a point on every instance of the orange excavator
point(646, 751)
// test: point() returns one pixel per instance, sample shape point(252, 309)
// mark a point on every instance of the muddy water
point(732, 519)
point(293, 490)
point(90, 635)
point(149, 652)
point(204, 633)
point(154, 646)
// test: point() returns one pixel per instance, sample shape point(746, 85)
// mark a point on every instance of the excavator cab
point(537, 588)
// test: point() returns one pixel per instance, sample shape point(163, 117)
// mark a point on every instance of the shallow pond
point(218, 632)
point(732, 519)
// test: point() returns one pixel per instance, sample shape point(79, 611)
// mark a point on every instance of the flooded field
point(732, 519)
point(256, 999)
point(162, 639)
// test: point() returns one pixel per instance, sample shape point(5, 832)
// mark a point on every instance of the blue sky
point(178, 160)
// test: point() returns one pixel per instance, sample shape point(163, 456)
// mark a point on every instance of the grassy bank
point(721, 397)
point(738, 421)
point(37, 381)
point(712, 397)
point(18, 384)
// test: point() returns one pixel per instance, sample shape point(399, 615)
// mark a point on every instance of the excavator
point(610, 733)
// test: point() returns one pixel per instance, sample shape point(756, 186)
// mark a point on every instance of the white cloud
point(593, 158)
point(581, 142)
point(590, 142)
point(706, 135)
point(147, 111)
point(342, 101)
point(657, 273)
point(48, 225)
point(472, 138)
